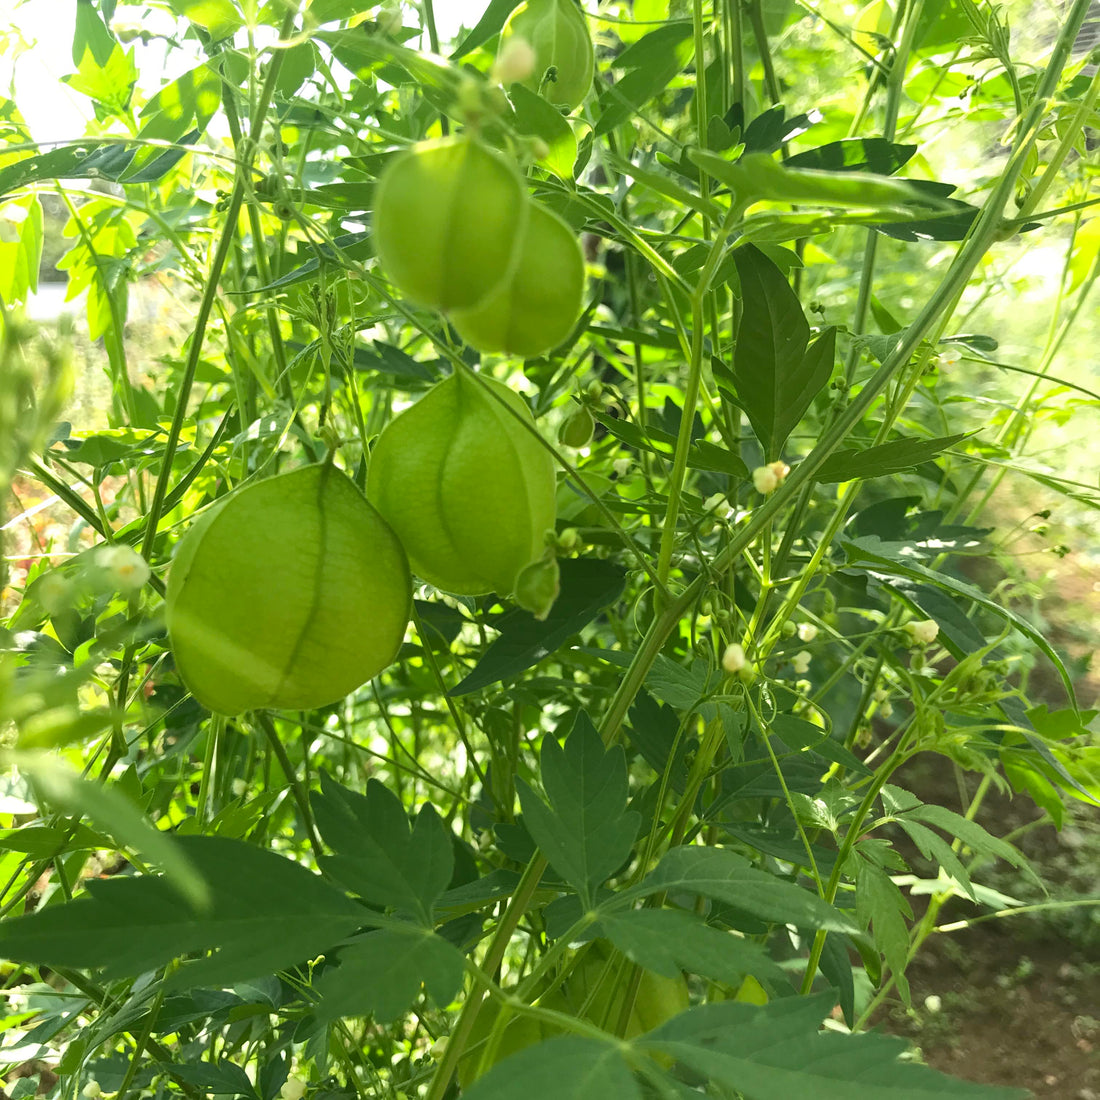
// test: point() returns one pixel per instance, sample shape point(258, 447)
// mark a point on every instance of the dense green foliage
point(513, 856)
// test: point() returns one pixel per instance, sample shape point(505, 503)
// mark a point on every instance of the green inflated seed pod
point(565, 60)
point(448, 216)
point(289, 593)
point(468, 489)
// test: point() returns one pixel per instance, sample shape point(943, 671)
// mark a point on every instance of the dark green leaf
point(265, 913)
point(778, 1051)
point(880, 904)
point(875, 155)
point(381, 974)
point(566, 1067)
point(652, 62)
point(223, 1078)
point(378, 855)
point(872, 549)
point(885, 458)
point(726, 876)
point(588, 585)
point(586, 832)
point(667, 941)
point(771, 129)
point(777, 377)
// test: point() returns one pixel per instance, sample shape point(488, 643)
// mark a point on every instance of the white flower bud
point(621, 466)
point(439, 1047)
point(886, 709)
point(516, 61)
point(733, 660)
point(714, 502)
point(91, 1090)
point(126, 569)
point(923, 631)
point(294, 1088)
point(764, 480)
point(806, 632)
point(800, 662)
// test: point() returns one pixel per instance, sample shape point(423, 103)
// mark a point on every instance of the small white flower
point(800, 662)
point(885, 709)
point(621, 466)
point(439, 1047)
point(55, 593)
point(294, 1088)
point(733, 660)
point(390, 20)
point(949, 357)
point(881, 695)
point(126, 568)
point(91, 1090)
point(933, 1003)
point(806, 632)
point(923, 631)
point(516, 61)
point(764, 480)
point(714, 502)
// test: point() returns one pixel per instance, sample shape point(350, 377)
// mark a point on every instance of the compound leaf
point(378, 854)
point(585, 832)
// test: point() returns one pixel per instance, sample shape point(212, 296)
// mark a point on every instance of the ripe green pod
point(565, 61)
point(288, 593)
point(447, 218)
point(469, 490)
point(537, 307)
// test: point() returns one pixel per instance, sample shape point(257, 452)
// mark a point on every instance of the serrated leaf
point(971, 834)
point(112, 811)
point(566, 1067)
point(777, 374)
point(381, 974)
point(935, 849)
point(265, 913)
point(668, 941)
point(886, 458)
point(724, 875)
point(588, 585)
point(872, 549)
point(776, 1051)
point(876, 155)
point(880, 904)
point(378, 854)
point(585, 832)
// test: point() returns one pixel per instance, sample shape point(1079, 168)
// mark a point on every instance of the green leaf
point(876, 155)
point(776, 375)
point(381, 974)
point(20, 257)
point(709, 456)
point(114, 813)
point(935, 849)
point(885, 458)
point(224, 1078)
point(668, 941)
point(566, 1067)
point(585, 832)
point(491, 22)
point(971, 834)
point(588, 585)
point(378, 855)
point(264, 913)
point(534, 115)
point(724, 875)
point(880, 904)
point(652, 62)
point(757, 176)
point(219, 17)
point(874, 550)
point(180, 110)
point(777, 1051)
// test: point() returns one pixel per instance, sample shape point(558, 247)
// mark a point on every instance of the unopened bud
point(515, 62)
point(806, 632)
point(764, 480)
point(923, 631)
point(733, 660)
point(800, 662)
